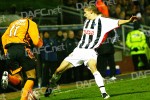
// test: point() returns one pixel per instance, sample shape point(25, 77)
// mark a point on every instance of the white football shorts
point(80, 56)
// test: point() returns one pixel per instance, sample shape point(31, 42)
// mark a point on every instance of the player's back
point(16, 31)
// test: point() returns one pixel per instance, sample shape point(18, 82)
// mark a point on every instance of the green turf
point(128, 89)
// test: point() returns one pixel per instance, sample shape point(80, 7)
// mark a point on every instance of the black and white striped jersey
point(95, 30)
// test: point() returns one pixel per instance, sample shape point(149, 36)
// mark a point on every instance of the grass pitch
point(122, 89)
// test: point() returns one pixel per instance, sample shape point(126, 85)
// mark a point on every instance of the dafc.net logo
point(2, 19)
point(41, 12)
point(80, 6)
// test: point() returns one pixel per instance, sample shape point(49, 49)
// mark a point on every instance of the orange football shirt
point(16, 32)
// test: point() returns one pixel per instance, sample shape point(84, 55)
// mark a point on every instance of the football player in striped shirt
point(95, 30)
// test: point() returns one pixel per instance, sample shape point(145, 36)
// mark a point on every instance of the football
point(33, 95)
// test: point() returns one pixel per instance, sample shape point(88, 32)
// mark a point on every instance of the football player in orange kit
point(16, 44)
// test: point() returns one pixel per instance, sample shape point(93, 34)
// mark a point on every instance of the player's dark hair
point(93, 8)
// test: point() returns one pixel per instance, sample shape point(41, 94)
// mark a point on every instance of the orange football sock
point(27, 87)
point(14, 80)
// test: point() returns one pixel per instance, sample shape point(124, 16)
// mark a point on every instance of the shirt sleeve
point(108, 24)
point(33, 32)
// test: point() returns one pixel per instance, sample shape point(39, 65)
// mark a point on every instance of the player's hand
point(40, 43)
point(133, 19)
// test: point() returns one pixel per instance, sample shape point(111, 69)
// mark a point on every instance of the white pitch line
point(70, 90)
point(93, 85)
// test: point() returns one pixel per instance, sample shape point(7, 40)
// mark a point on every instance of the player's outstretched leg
point(56, 76)
point(52, 84)
point(105, 95)
point(100, 83)
point(98, 78)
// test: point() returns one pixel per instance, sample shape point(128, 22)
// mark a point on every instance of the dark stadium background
point(50, 22)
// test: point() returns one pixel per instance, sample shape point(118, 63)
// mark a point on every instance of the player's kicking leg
point(56, 76)
point(28, 86)
point(98, 78)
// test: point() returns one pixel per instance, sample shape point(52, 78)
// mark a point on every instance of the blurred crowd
point(121, 9)
point(56, 48)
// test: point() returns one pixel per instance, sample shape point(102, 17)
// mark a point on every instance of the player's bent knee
point(93, 69)
point(65, 65)
point(31, 74)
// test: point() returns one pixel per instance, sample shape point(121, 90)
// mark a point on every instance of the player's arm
point(34, 34)
point(132, 19)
